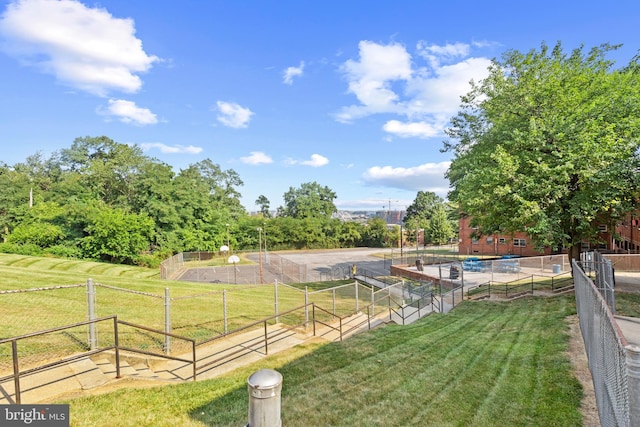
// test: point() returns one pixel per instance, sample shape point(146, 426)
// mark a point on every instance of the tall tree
point(420, 212)
point(109, 169)
point(548, 143)
point(440, 230)
point(308, 201)
point(423, 206)
point(264, 204)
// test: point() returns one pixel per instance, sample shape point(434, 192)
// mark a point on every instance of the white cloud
point(439, 91)
point(85, 48)
point(370, 78)
point(256, 158)
point(412, 129)
point(292, 72)
point(387, 79)
point(129, 112)
point(435, 54)
point(166, 149)
point(233, 115)
point(425, 177)
point(315, 161)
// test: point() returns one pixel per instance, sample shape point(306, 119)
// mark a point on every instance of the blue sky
point(352, 94)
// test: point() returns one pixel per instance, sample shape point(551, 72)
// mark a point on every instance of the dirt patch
point(578, 357)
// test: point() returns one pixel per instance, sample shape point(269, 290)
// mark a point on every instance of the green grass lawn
point(196, 309)
point(483, 364)
point(628, 304)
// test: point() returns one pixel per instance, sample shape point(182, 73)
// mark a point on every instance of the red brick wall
point(491, 245)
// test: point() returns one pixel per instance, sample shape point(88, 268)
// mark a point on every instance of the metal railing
point(345, 325)
point(114, 345)
point(522, 286)
point(254, 343)
point(407, 312)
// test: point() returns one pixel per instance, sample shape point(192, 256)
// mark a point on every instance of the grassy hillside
point(483, 364)
point(197, 309)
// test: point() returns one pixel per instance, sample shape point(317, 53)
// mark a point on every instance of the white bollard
point(264, 387)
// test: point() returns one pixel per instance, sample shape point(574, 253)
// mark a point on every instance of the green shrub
point(147, 260)
point(64, 251)
point(25, 249)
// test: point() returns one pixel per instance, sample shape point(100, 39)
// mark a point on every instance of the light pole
point(266, 253)
point(234, 259)
point(401, 242)
point(260, 251)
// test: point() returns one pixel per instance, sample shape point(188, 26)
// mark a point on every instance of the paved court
point(307, 266)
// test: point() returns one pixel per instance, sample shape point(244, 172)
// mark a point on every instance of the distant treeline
point(107, 201)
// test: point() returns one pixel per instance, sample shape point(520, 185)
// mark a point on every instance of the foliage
point(430, 213)
point(117, 236)
point(439, 230)
point(103, 200)
point(264, 204)
point(421, 210)
point(376, 233)
point(114, 203)
point(548, 143)
point(310, 200)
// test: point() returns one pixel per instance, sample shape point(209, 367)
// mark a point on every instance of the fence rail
point(522, 286)
point(114, 344)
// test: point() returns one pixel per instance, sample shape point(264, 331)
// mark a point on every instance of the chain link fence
point(171, 265)
point(614, 364)
point(198, 316)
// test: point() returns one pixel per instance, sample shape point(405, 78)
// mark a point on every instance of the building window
point(602, 228)
point(489, 240)
point(474, 241)
point(519, 242)
point(502, 240)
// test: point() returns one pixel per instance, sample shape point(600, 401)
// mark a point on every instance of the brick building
point(625, 239)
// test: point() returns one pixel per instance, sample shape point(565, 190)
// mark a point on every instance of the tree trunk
point(574, 253)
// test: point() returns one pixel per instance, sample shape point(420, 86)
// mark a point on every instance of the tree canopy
point(310, 200)
point(422, 208)
point(103, 200)
point(548, 143)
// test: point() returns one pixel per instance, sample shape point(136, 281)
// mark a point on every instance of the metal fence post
point(275, 291)
point(357, 302)
point(306, 307)
point(224, 309)
point(16, 370)
point(633, 380)
point(167, 321)
point(333, 298)
point(91, 298)
point(264, 388)
point(373, 301)
point(453, 296)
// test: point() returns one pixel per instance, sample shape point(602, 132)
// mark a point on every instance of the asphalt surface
point(295, 266)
